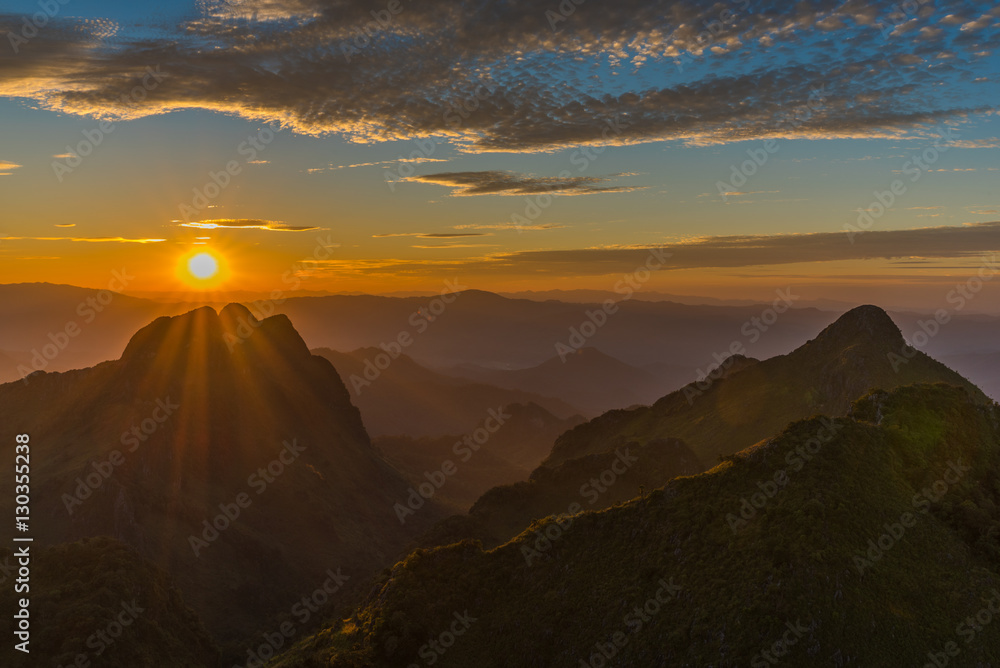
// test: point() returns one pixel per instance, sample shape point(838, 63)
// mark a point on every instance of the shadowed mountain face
point(861, 351)
point(208, 415)
point(483, 459)
point(397, 396)
point(872, 550)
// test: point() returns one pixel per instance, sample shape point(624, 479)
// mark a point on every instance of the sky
point(848, 149)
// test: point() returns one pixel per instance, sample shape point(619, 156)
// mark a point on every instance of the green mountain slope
point(716, 418)
point(875, 546)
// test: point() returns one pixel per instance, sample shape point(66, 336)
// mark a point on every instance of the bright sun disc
point(203, 266)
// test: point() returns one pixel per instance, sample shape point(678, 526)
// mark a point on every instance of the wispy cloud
point(246, 224)
point(7, 167)
point(466, 184)
point(429, 235)
point(511, 226)
point(117, 240)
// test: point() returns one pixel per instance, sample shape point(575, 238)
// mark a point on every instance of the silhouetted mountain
point(99, 600)
point(743, 402)
point(483, 459)
point(863, 350)
point(586, 378)
point(203, 417)
point(870, 540)
point(397, 396)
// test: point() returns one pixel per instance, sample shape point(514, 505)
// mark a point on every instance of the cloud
point(511, 226)
point(7, 168)
point(970, 241)
point(65, 224)
point(501, 76)
point(433, 235)
point(992, 142)
point(465, 184)
point(118, 240)
point(246, 224)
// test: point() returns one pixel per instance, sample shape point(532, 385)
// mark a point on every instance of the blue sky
point(628, 119)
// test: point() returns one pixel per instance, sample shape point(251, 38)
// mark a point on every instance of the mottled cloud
point(246, 224)
point(465, 184)
point(521, 75)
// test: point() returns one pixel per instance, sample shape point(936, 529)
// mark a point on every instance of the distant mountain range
point(398, 396)
point(692, 429)
point(675, 342)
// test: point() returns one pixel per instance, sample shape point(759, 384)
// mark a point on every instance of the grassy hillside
point(800, 567)
point(101, 600)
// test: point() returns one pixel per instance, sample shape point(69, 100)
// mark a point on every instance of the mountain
point(683, 433)
point(861, 351)
point(586, 378)
point(221, 450)
point(397, 396)
point(99, 600)
point(485, 329)
point(483, 459)
point(867, 540)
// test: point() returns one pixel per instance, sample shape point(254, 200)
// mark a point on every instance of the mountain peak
point(863, 324)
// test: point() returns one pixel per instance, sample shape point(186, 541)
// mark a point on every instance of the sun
point(202, 269)
point(203, 266)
